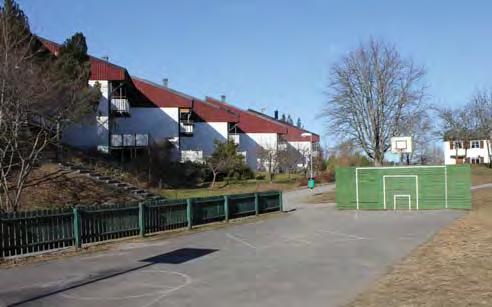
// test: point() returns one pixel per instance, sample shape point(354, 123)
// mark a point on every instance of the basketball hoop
point(402, 145)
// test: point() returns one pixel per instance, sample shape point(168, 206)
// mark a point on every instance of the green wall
point(428, 187)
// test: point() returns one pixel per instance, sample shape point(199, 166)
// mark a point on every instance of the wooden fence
point(43, 230)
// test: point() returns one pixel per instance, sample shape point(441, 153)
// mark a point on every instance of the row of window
point(460, 144)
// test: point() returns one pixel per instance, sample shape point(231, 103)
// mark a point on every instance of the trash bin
point(311, 183)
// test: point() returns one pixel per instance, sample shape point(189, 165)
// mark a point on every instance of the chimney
point(165, 82)
point(223, 98)
point(275, 114)
point(105, 58)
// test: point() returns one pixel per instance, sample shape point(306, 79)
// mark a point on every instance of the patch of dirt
point(452, 269)
point(321, 198)
point(481, 174)
point(51, 187)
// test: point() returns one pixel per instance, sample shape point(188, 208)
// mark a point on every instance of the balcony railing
point(120, 105)
point(282, 145)
point(234, 138)
point(192, 155)
point(129, 140)
point(186, 127)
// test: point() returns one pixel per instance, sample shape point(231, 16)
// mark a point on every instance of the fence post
point(189, 215)
point(280, 201)
point(257, 204)
point(76, 228)
point(141, 218)
point(226, 208)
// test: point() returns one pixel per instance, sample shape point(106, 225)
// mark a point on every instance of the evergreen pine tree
point(299, 124)
point(289, 120)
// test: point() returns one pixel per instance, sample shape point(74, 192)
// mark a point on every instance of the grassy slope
point(51, 188)
point(453, 269)
point(281, 182)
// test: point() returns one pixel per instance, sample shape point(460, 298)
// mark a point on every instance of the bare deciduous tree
point(34, 97)
point(370, 93)
point(455, 125)
point(419, 126)
point(288, 159)
point(268, 159)
point(480, 108)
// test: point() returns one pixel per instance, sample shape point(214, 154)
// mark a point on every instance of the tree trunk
point(213, 179)
point(489, 144)
point(378, 159)
point(456, 154)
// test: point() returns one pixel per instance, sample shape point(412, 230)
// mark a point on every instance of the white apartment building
point(473, 152)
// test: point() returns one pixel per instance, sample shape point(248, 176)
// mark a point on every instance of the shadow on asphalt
point(178, 256)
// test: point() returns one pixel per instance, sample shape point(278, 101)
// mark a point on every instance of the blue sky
point(275, 54)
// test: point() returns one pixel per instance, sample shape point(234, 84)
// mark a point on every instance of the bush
point(327, 176)
point(260, 176)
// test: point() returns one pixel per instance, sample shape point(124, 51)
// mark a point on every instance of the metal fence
point(404, 187)
point(43, 230)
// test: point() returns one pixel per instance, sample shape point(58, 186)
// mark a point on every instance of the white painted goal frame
point(403, 196)
point(416, 177)
point(401, 167)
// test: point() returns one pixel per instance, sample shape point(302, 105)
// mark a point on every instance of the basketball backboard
point(401, 144)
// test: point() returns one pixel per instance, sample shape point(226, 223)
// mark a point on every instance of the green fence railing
point(42, 230)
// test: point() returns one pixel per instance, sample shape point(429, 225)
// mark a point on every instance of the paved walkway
point(314, 255)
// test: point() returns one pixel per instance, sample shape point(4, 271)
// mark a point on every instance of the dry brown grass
point(231, 188)
point(321, 198)
point(50, 187)
point(453, 269)
point(481, 174)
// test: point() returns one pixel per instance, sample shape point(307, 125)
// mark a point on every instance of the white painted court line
point(297, 239)
point(342, 234)
point(230, 236)
point(400, 167)
point(408, 196)
point(401, 176)
point(165, 290)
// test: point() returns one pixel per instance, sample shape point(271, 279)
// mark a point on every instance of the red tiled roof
point(161, 96)
point(100, 69)
point(165, 97)
point(294, 134)
point(212, 113)
point(250, 122)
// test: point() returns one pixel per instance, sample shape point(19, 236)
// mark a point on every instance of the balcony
point(234, 138)
point(282, 146)
point(192, 156)
point(120, 106)
point(186, 127)
point(129, 140)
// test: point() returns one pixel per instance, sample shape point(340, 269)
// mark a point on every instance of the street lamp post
point(306, 134)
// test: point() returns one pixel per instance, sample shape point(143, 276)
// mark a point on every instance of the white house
point(165, 114)
point(133, 113)
point(254, 134)
point(304, 142)
point(202, 127)
point(475, 151)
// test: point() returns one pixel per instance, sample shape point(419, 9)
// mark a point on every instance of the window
point(477, 160)
point(458, 145)
point(186, 128)
point(475, 144)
